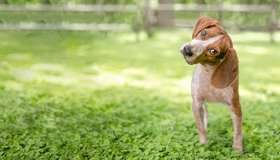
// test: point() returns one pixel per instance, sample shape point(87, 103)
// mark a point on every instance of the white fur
point(205, 43)
point(203, 90)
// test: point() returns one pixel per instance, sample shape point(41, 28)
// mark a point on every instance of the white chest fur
point(203, 90)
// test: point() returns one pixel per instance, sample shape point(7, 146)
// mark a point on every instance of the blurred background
point(136, 15)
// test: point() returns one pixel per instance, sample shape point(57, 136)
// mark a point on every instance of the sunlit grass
point(106, 95)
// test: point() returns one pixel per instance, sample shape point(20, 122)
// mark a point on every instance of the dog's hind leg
point(236, 115)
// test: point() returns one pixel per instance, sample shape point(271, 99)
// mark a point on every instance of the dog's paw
point(238, 147)
point(203, 140)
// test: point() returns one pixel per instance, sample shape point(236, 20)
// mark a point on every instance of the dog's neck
point(208, 69)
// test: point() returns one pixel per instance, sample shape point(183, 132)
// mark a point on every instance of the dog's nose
point(187, 51)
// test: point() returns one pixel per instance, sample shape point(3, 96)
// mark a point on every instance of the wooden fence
point(215, 8)
point(65, 26)
point(168, 8)
point(67, 8)
point(70, 8)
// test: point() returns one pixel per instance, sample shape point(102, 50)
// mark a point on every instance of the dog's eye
point(203, 34)
point(213, 51)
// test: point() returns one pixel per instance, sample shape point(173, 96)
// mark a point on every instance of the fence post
point(166, 18)
point(273, 20)
point(200, 14)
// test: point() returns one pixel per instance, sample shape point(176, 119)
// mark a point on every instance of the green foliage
point(23, 1)
point(82, 95)
point(60, 1)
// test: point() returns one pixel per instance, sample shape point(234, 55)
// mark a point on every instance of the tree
point(273, 20)
point(45, 2)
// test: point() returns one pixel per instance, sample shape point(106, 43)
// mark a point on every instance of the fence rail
point(67, 8)
point(215, 8)
point(133, 8)
point(65, 26)
point(70, 8)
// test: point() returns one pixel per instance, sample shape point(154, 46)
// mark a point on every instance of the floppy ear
point(227, 71)
point(202, 23)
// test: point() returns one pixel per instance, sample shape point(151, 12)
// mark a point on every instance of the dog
point(215, 78)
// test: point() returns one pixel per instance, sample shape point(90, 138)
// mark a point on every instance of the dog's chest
point(202, 89)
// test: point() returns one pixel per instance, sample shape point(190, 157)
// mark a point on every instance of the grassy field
point(81, 95)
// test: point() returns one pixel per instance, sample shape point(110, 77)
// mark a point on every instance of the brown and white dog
point(215, 78)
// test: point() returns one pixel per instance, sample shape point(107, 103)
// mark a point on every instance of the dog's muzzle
point(187, 51)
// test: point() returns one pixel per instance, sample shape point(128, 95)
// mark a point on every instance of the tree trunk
point(148, 18)
point(273, 20)
point(166, 18)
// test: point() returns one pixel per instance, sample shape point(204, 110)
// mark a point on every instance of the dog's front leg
point(198, 113)
point(205, 118)
point(236, 115)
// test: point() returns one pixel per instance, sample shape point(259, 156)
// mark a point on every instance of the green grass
point(82, 95)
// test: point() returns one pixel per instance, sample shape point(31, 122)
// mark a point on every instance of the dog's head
point(212, 45)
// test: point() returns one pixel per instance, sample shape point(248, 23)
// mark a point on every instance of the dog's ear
point(227, 71)
point(202, 23)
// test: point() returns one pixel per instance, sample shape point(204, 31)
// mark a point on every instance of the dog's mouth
point(189, 60)
point(190, 63)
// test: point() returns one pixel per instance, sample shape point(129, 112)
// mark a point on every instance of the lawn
point(83, 95)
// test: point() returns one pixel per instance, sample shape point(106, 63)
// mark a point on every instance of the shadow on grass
point(117, 119)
